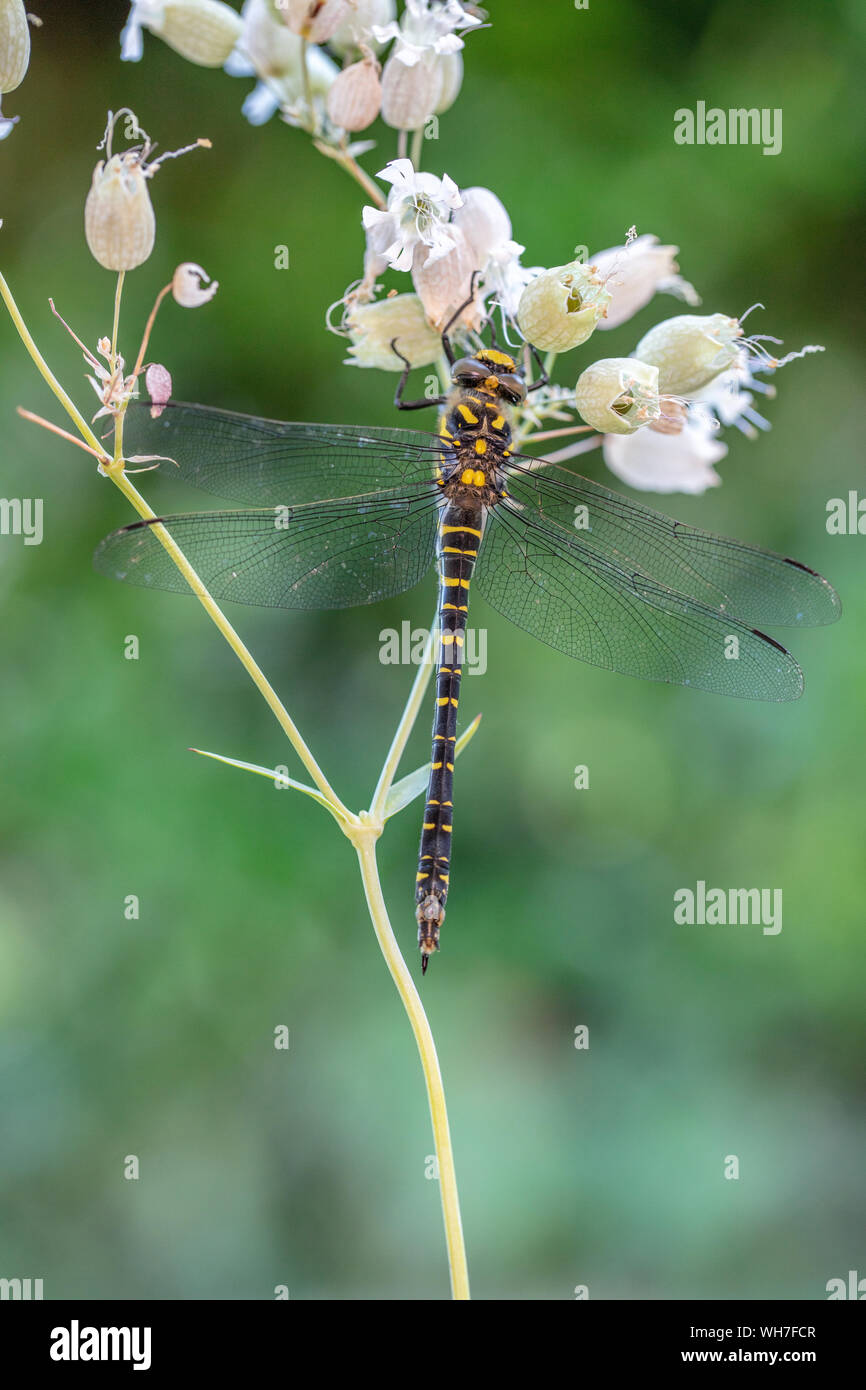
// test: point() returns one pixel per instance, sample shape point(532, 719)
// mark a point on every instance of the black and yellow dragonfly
point(338, 515)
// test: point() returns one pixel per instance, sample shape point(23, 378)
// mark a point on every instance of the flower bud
point(14, 44)
point(118, 216)
point(373, 327)
point(409, 94)
point(559, 309)
point(314, 20)
point(157, 379)
point(690, 350)
point(618, 395)
point(202, 31)
point(356, 95)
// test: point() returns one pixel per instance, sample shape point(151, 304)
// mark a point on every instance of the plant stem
point(417, 146)
point(366, 848)
point(404, 728)
point(353, 168)
point(117, 298)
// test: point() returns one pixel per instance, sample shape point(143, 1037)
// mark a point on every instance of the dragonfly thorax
point(476, 423)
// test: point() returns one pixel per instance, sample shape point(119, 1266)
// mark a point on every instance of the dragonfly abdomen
point(457, 542)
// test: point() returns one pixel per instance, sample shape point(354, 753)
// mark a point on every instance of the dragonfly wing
point(585, 605)
point(335, 554)
point(260, 463)
point(757, 586)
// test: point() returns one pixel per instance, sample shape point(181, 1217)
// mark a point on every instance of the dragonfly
point(332, 516)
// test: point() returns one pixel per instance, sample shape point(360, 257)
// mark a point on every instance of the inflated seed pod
point(355, 96)
point(118, 216)
point(14, 44)
point(202, 31)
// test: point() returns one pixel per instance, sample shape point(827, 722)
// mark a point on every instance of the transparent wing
point(262, 463)
point(754, 585)
point(586, 605)
point(334, 554)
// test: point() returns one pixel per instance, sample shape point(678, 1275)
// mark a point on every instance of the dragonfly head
point(492, 370)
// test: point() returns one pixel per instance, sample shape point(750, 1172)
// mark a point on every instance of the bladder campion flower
point(618, 395)
point(202, 31)
point(561, 307)
point(119, 222)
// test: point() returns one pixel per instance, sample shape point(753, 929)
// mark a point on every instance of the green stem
point(366, 848)
point(417, 147)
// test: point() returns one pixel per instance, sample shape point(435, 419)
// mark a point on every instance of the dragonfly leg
point(544, 378)
point(401, 386)
point(446, 331)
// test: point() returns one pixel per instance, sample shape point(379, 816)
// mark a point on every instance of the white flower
point(657, 462)
point(419, 206)
point(269, 50)
point(358, 25)
point(188, 285)
point(637, 271)
point(426, 27)
point(485, 223)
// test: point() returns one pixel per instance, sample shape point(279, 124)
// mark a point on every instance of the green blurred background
point(154, 1037)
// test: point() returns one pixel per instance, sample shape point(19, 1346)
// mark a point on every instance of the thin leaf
point(279, 779)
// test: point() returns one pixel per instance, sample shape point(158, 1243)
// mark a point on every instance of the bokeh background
point(154, 1037)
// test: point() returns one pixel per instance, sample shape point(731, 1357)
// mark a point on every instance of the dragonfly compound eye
point(512, 386)
point(469, 370)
